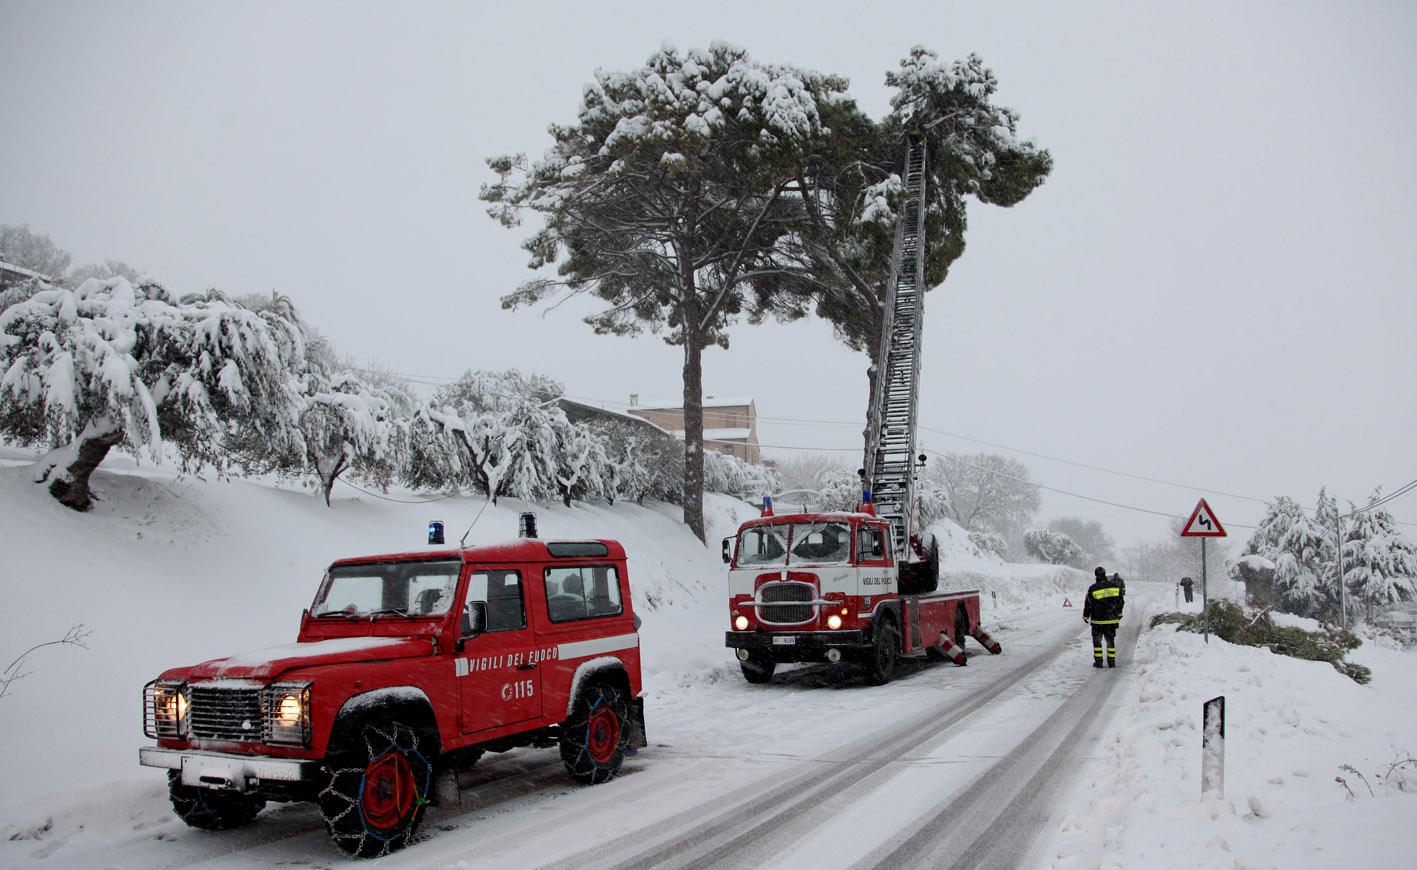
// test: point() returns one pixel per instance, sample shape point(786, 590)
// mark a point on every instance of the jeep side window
point(584, 592)
point(501, 591)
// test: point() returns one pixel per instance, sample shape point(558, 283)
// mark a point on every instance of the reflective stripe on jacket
point(1104, 602)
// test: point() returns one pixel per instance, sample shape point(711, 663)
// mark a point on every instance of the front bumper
point(226, 770)
point(796, 646)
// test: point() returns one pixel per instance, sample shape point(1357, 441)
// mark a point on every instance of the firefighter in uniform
point(1103, 610)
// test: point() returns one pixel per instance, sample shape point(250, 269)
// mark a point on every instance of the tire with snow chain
point(597, 734)
point(880, 661)
point(377, 782)
point(210, 809)
point(758, 668)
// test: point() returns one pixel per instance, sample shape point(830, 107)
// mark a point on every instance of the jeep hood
point(271, 662)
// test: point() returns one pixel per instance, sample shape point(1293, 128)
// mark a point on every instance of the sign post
point(1203, 524)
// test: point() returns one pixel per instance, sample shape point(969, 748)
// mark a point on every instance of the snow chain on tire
point(593, 744)
point(390, 753)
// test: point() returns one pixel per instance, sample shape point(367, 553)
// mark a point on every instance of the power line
point(429, 380)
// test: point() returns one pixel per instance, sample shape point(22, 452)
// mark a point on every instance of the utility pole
point(1342, 590)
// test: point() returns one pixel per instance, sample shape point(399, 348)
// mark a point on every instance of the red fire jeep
point(406, 669)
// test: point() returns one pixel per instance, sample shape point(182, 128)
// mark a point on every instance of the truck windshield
point(808, 543)
point(392, 588)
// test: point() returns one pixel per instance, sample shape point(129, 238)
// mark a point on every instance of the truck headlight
point(833, 622)
point(165, 709)
point(285, 714)
point(740, 622)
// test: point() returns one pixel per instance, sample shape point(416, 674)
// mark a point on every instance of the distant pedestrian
point(1102, 609)
point(1186, 584)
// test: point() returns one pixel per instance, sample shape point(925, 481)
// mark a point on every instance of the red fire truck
point(830, 586)
point(406, 669)
point(826, 587)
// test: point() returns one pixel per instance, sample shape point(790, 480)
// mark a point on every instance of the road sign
point(1203, 523)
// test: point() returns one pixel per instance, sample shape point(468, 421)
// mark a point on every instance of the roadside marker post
point(1203, 524)
point(1213, 746)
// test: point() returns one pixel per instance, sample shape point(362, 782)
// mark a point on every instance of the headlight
point(833, 622)
point(740, 622)
point(286, 713)
point(165, 709)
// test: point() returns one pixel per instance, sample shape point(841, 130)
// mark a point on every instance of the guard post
point(1213, 746)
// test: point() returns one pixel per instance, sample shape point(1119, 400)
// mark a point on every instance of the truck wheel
point(210, 809)
point(758, 669)
point(880, 661)
point(593, 744)
point(377, 783)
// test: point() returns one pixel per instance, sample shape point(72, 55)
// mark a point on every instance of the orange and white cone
point(989, 643)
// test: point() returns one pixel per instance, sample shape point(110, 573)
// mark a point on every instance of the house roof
point(573, 406)
point(23, 272)
point(709, 402)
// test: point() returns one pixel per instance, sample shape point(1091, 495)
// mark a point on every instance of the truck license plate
point(784, 641)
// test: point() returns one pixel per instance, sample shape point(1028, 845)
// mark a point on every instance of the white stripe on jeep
point(582, 648)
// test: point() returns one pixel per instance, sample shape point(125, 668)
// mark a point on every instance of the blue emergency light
point(435, 532)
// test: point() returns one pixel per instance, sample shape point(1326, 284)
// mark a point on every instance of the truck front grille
point(225, 714)
point(785, 603)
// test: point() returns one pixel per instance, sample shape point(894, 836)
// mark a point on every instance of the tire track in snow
point(761, 809)
point(996, 820)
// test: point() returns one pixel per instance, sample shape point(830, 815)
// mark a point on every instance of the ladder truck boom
point(889, 469)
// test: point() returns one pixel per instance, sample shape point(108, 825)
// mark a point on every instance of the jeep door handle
point(525, 667)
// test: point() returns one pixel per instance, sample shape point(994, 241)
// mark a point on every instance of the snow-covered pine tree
point(1299, 568)
point(110, 364)
point(668, 200)
point(1379, 563)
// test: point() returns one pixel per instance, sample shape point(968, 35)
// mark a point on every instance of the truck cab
point(406, 668)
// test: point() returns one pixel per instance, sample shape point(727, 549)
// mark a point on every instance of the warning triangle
point(1067, 603)
point(1203, 523)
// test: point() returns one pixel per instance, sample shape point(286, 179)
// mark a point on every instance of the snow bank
point(1292, 726)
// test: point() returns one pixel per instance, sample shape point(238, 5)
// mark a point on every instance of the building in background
point(10, 275)
point(730, 424)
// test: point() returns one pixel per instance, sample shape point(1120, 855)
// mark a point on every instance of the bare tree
point(77, 635)
point(986, 490)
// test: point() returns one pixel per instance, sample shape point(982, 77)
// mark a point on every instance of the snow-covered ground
point(1292, 728)
point(170, 571)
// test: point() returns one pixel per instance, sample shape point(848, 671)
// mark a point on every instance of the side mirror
point(727, 552)
point(474, 620)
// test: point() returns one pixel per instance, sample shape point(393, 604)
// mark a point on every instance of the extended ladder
point(890, 430)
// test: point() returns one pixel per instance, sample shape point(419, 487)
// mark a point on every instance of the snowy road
point(945, 766)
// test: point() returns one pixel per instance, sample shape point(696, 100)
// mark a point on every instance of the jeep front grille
point(225, 714)
point(786, 602)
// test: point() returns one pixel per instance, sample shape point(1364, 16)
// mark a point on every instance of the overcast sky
point(1215, 287)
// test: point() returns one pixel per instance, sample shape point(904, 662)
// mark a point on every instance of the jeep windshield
point(387, 589)
point(784, 544)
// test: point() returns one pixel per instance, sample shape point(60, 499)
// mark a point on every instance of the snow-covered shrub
point(499, 433)
point(1053, 547)
point(841, 490)
point(989, 542)
point(111, 364)
point(729, 474)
